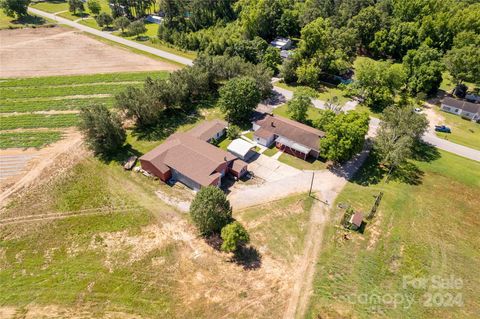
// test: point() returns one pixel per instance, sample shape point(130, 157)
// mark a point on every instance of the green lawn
point(426, 225)
point(90, 22)
point(324, 93)
point(296, 162)
point(37, 120)
point(272, 150)
point(464, 132)
point(249, 135)
point(51, 6)
point(312, 114)
point(224, 143)
point(448, 84)
point(279, 226)
point(28, 139)
point(26, 22)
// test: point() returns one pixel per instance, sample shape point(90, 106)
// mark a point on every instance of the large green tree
point(378, 82)
point(102, 129)
point(399, 130)
point(463, 63)
point(238, 98)
point(423, 69)
point(14, 8)
point(345, 136)
point(298, 106)
point(94, 7)
point(76, 5)
point(210, 210)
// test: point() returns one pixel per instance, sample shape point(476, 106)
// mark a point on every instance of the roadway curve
point(111, 37)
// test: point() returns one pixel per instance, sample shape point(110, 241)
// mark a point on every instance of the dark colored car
point(442, 128)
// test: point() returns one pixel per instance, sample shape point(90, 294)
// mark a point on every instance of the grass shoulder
point(464, 132)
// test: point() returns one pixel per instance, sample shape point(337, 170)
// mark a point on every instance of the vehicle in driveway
point(442, 128)
point(417, 110)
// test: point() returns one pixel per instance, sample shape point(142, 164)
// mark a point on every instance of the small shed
point(282, 43)
point(241, 148)
point(356, 220)
point(238, 168)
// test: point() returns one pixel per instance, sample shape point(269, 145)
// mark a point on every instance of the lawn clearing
point(324, 93)
point(448, 84)
point(426, 225)
point(7, 22)
point(52, 6)
point(28, 139)
point(309, 164)
point(312, 113)
point(464, 132)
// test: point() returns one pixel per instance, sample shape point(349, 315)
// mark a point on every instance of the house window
point(456, 110)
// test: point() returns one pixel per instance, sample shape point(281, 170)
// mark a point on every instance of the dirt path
point(43, 159)
point(302, 289)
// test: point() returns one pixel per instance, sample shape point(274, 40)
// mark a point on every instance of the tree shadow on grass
point(371, 172)
point(168, 123)
point(248, 257)
point(121, 156)
point(407, 173)
point(424, 152)
point(30, 19)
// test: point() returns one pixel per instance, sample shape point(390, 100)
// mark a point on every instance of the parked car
point(417, 110)
point(442, 128)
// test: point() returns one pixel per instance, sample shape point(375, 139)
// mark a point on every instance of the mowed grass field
point(33, 103)
point(146, 260)
point(426, 225)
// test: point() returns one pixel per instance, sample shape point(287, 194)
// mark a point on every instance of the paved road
point(428, 137)
point(111, 37)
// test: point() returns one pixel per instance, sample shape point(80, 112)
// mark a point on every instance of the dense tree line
point(331, 33)
point(185, 88)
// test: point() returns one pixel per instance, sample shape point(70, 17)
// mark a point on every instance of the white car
point(417, 110)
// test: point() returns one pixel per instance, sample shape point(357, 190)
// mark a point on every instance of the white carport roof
point(240, 146)
point(299, 147)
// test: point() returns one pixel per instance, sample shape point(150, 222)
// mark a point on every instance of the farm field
point(426, 225)
point(129, 253)
point(62, 51)
point(28, 139)
point(52, 102)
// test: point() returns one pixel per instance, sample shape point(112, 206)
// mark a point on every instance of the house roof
point(462, 104)
point(238, 165)
point(190, 156)
point(208, 129)
point(263, 133)
point(292, 130)
point(240, 146)
point(357, 219)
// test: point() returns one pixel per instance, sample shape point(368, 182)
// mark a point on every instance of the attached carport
point(292, 147)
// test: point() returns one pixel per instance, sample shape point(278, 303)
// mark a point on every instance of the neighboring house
point(241, 148)
point(191, 160)
point(209, 131)
point(462, 108)
point(282, 43)
point(154, 19)
point(289, 136)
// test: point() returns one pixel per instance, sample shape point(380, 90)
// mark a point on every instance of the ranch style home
point(190, 159)
point(463, 108)
point(289, 136)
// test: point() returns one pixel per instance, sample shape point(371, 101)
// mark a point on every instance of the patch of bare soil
point(57, 311)
point(46, 163)
point(60, 51)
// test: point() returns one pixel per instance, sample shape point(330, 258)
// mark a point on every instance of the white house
point(462, 108)
point(282, 43)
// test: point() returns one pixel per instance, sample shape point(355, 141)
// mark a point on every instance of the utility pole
point(311, 184)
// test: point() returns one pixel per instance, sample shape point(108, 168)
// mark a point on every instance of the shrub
point(234, 235)
point(233, 132)
point(210, 210)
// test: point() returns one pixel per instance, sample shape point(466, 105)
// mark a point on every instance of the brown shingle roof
point(263, 133)
point(462, 104)
point(238, 165)
point(190, 156)
point(208, 129)
point(292, 130)
point(357, 219)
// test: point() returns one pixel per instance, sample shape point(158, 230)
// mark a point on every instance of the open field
point(464, 132)
point(426, 225)
point(60, 51)
point(28, 139)
point(127, 253)
point(312, 113)
point(324, 93)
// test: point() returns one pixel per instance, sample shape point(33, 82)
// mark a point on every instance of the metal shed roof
point(240, 146)
point(294, 145)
